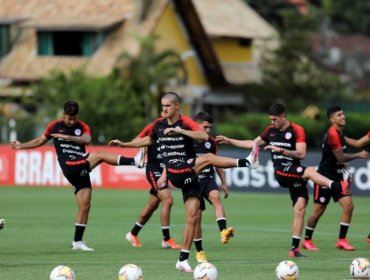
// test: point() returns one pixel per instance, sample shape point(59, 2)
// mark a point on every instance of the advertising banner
point(39, 167)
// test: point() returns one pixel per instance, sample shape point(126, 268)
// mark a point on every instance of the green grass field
point(39, 231)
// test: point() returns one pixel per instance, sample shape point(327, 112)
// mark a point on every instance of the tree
point(109, 105)
point(151, 72)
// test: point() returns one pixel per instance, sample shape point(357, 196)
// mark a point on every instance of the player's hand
point(225, 189)
point(274, 148)
point(59, 135)
point(16, 145)
point(364, 154)
point(220, 139)
point(172, 130)
point(115, 142)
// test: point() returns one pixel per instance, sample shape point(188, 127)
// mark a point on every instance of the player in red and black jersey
point(175, 134)
point(157, 194)
point(209, 188)
point(332, 165)
point(70, 135)
point(287, 142)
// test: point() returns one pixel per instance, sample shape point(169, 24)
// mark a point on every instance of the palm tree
point(151, 72)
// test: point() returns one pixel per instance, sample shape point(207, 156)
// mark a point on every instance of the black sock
point(343, 230)
point(126, 161)
point(221, 223)
point(166, 233)
point(243, 162)
point(136, 229)
point(295, 242)
point(198, 244)
point(79, 232)
point(183, 256)
point(309, 233)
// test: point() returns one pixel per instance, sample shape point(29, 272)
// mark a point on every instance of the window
point(4, 40)
point(69, 43)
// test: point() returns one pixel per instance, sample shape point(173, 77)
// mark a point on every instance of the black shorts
point(77, 173)
point(207, 185)
point(291, 178)
point(322, 195)
point(182, 176)
point(153, 173)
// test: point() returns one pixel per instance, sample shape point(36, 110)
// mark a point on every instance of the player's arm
point(298, 153)
point(194, 134)
point(344, 157)
point(34, 143)
point(135, 143)
point(358, 143)
point(245, 144)
point(221, 173)
point(84, 139)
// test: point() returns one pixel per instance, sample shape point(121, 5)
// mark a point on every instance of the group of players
point(181, 153)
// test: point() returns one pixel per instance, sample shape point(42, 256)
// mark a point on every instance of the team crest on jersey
point(322, 199)
point(288, 135)
point(78, 132)
point(299, 169)
point(190, 161)
point(207, 145)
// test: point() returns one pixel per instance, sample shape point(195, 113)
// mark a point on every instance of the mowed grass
point(39, 231)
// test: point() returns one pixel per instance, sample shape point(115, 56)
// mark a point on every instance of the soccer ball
point(62, 272)
point(360, 268)
point(205, 271)
point(287, 270)
point(130, 272)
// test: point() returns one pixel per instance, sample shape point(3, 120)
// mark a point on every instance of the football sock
point(184, 255)
point(221, 223)
point(79, 232)
point(343, 230)
point(295, 242)
point(309, 233)
point(125, 160)
point(198, 244)
point(136, 229)
point(166, 233)
point(242, 162)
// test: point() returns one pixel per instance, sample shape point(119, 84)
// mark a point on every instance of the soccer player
point(287, 142)
point(176, 133)
point(157, 194)
point(332, 165)
point(209, 188)
point(70, 136)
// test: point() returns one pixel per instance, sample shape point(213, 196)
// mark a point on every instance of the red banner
point(39, 167)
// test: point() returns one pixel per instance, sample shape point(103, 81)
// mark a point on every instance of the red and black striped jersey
point(174, 148)
point(67, 150)
point(286, 139)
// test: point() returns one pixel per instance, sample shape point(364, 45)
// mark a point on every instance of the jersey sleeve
point(264, 134)
point(368, 134)
point(146, 130)
point(300, 134)
point(214, 145)
point(49, 129)
point(152, 132)
point(85, 128)
point(333, 139)
point(190, 124)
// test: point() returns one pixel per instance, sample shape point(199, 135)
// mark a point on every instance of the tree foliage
point(109, 105)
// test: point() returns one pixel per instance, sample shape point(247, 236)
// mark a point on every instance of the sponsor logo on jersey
point(207, 145)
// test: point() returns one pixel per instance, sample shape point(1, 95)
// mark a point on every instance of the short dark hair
point(173, 96)
point(203, 117)
point(331, 110)
point(277, 109)
point(71, 108)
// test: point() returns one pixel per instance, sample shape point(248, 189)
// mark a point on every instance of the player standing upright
point(70, 137)
point(332, 165)
point(287, 142)
point(157, 194)
point(176, 134)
